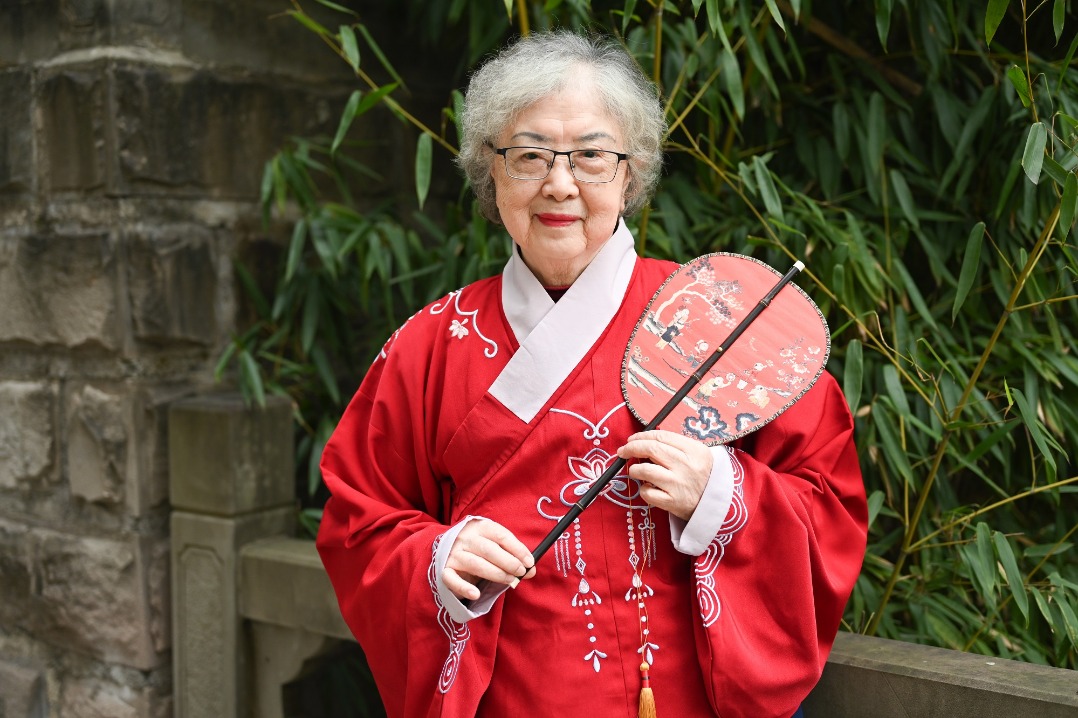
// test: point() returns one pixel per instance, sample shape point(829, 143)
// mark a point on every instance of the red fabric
point(422, 445)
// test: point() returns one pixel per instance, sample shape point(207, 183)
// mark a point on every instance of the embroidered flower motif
point(594, 657)
point(457, 328)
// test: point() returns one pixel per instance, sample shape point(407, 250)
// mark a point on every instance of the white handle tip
point(800, 265)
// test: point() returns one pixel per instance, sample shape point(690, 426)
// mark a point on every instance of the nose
point(560, 182)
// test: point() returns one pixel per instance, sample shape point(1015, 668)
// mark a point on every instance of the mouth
point(549, 219)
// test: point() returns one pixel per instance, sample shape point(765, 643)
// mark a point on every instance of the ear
point(625, 188)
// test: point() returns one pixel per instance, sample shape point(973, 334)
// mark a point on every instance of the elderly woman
point(716, 575)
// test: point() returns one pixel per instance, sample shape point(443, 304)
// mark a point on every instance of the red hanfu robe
point(492, 403)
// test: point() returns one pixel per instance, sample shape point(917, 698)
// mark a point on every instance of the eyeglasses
point(534, 163)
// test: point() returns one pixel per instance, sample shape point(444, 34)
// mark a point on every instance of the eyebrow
point(582, 138)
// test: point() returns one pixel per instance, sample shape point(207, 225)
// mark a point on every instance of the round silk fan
point(755, 377)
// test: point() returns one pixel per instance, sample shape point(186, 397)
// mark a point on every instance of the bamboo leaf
point(1017, 76)
point(1033, 154)
point(905, 197)
point(251, 378)
point(295, 249)
point(892, 447)
point(335, 6)
point(422, 168)
point(325, 371)
point(311, 312)
point(1068, 205)
point(308, 22)
point(1014, 576)
point(766, 186)
point(373, 98)
point(852, 375)
point(347, 116)
point(775, 14)
point(627, 15)
point(731, 80)
point(1033, 426)
point(350, 47)
point(840, 121)
point(1069, 619)
point(986, 561)
point(915, 295)
point(971, 260)
point(875, 503)
point(1059, 12)
point(509, 10)
point(1042, 604)
point(714, 19)
point(996, 10)
point(380, 55)
point(883, 20)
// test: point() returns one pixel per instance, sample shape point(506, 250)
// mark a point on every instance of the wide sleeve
point(771, 587)
point(379, 535)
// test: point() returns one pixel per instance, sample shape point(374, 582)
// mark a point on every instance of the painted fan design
point(760, 375)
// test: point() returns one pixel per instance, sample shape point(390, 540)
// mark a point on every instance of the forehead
point(573, 114)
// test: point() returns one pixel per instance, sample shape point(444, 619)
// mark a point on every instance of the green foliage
point(917, 155)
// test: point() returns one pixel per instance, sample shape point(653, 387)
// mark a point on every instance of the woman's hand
point(673, 470)
point(485, 550)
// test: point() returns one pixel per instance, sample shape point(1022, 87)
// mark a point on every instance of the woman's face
point(559, 223)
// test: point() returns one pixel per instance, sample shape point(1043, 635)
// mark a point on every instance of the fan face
point(762, 374)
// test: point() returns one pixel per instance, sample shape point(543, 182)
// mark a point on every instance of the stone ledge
point(882, 678)
point(282, 582)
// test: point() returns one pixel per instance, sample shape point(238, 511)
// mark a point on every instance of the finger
point(652, 450)
point(656, 497)
point(486, 559)
point(669, 438)
point(458, 585)
point(508, 543)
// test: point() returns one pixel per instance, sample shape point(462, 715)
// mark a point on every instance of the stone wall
point(132, 139)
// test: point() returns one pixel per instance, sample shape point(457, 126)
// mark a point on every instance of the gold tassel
point(647, 697)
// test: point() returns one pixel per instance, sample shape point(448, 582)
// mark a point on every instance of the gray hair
point(542, 64)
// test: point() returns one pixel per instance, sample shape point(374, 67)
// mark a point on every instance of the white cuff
point(457, 610)
point(694, 536)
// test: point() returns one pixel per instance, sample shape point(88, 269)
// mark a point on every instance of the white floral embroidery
point(458, 633)
point(706, 564)
point(491, 350)
point(457, 328)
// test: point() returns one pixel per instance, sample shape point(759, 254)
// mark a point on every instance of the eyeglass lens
point(586, 165)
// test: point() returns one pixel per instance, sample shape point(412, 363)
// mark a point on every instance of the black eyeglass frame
point(622, 157)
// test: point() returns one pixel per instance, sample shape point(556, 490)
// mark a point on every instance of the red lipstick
point(550, 219)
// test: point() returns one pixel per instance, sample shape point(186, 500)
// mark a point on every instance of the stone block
point(882, 678)
point(99, 441)
point(198, 133)
point(22, 692)
point(16, 578)
point(72, 103)
point(26, 432)
point(257, 31)
point(59, 290)
point(103, 597)
point(227, 459)
point(172, 285)
point(16, 132)
point(209, 655)
point(284, 583)
point(28, 30)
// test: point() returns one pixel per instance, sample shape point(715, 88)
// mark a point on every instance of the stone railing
point(252, 605)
